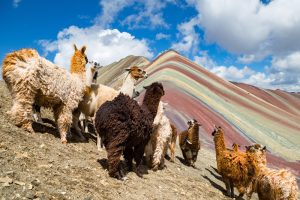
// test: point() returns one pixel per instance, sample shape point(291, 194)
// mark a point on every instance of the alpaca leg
point(76, 114)
point(138, 155)
point(128, 156)
point(172, 151)
point(149, 154)
point(241, 190)
point(64, 121)
point(99, 145)
point(21, 112)
point(227, 184)
point(114, 153)
point(231, 189)
point(158, 153)
point(37, 113)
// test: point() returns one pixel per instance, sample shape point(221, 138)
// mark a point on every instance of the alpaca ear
point(265, 148)
point(83, 49)
point(75, 48)
point(127, 69)
point(146, 87)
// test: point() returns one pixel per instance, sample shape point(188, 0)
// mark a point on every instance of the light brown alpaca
point(189, 142)
point(172, 142)
point(32, 79)
point(271, 184)
point(238, 169)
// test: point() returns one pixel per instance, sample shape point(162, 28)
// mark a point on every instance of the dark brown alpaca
point(125, 128)
point(189, 142)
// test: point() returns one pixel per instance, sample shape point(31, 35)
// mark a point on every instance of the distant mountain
point(248, 114)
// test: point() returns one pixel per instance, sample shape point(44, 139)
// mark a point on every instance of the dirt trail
point(38, 166)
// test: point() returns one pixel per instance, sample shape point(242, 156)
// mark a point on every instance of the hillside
point(38, 166)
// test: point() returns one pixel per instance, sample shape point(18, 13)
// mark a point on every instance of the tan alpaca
point(156, 148)
point(271, 184)
point(32, 79)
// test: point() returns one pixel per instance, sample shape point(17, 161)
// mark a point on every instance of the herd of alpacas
point(127, 128)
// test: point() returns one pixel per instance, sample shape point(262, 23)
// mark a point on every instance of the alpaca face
point(79, 60)
point(217, 131)
point(137, 73)
point(192, 123)
point(155, 89)
point(259, 151)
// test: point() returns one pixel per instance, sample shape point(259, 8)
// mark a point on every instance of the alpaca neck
point(219, 143)
point(77, 67)
point(193, 135)
point(128, 85)
point(150, 103)
point(89, 77)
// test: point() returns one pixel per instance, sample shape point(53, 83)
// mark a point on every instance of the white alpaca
point(32, 79)
point(99, 94)
point(157, 146)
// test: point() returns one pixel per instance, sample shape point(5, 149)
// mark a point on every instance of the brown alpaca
point(32, 79)
point(238, 169)
point(125, 128)
point(189, 142)
point(172, 142)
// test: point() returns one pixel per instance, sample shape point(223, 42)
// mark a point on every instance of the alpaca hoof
point(28, 128)
point(155, 168)
point(139, 174)
point(64, 141)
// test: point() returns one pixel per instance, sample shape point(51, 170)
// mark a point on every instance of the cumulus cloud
point(16, 3)
point(147, 13)
point(251, 27)
point(189, 42)
point(230, 73)
point(161, 36)
point(282, 74)
point(103, 45)
point(109, 10)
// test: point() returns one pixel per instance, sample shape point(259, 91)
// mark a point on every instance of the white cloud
point(161, 36)
point(109, 11)
point(147, 13)
point(289, 63)
point(103, 45)
point(284, 73)
point(16, 3)
point(251, 27)
point(189, 38)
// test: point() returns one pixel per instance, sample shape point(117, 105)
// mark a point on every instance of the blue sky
point(251, 41)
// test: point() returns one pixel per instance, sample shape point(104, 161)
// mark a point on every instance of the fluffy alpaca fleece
point(99, 94)
point(32, 79)
point(172, 143)
point(125, 128)
point(189, 142)
point(238, 169)
point(157, 146)
point(271, 184)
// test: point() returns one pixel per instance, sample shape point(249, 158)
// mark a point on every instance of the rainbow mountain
point(246, 113)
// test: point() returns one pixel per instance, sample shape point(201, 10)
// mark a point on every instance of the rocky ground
point(38, 166)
